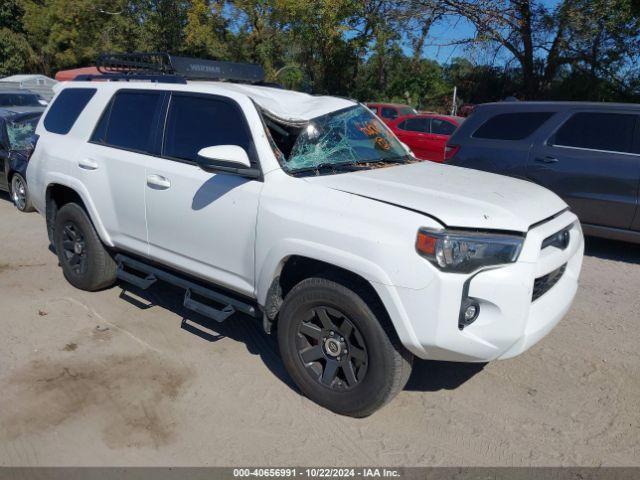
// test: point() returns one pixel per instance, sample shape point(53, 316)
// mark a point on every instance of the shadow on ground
point(427, 376)
point(612, 250)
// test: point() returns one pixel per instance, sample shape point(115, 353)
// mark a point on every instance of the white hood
point(457, 197)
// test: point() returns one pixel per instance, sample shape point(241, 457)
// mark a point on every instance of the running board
point(152, 274)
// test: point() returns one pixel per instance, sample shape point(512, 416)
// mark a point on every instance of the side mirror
point(43, 102)
point(227, 159)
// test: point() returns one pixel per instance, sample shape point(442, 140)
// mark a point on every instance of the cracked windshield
point(349, 137)
point(21, 133)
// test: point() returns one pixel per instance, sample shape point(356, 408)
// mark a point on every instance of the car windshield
point(346, 137)
point(21, 133)
point(19, 100)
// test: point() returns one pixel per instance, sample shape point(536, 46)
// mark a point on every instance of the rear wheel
point(340, 348)
point(20, 193)
point(85, 262)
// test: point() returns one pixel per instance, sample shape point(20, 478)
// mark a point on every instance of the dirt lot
point(111, 378)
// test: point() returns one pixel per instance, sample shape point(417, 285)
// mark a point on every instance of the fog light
point(468, 313)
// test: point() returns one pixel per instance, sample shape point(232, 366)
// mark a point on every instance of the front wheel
point(20, 193)
point(339, 347)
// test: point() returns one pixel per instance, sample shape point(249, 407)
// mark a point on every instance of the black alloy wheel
point(332, 348)
point(74, 248)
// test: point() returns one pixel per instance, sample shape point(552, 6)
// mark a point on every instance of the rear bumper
point(509, 322)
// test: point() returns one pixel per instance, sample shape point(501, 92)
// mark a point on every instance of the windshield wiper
point(325, 166)
point(398, 159)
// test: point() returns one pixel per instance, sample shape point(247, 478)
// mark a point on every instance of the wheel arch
point(60, 192)
point(312, 259)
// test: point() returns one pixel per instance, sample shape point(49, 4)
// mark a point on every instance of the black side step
point(229, 304)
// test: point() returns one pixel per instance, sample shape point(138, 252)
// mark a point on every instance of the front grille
point(545, 283)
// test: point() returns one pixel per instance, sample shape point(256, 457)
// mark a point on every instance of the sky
point(439, 46)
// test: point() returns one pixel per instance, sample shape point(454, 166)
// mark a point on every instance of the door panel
point(601, 187)
point(116, 182)
point(203, 223)
point(415, 133)
point(113, 164)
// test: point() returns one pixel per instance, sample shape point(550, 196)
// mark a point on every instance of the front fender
point(373, 273)
point(279, 253)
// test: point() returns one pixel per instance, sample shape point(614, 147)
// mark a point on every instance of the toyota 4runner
point(307, 213)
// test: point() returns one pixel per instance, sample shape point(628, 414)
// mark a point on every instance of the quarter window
point(130, 121)
point(195, 122)
point(66, 109)
point(512, 126)
point(597, 131)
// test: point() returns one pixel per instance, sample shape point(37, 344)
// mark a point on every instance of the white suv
point(304, 211)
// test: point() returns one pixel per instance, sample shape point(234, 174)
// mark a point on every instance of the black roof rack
point(162, 67)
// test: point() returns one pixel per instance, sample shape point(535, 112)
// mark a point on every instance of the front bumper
point(509, 321)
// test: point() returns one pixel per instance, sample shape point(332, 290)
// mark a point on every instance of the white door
point(113, 165)
point(199, 222)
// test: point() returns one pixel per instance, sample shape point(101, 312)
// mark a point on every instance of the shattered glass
point(21, 133)
point(352, 135)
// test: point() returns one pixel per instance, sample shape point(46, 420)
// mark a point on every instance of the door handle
point(158, 182)
point(88, 164)
point(547, 159)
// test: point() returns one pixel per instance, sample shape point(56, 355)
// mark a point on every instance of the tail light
point(450, 151)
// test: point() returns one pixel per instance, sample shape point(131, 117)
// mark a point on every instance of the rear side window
point(420, 124)
point(195, 122)
point(66, 109)
point(130, 121)
point(388, 112)
point(442, 127)
point(597, 131)
point(512, 126)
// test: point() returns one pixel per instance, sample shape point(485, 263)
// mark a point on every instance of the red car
point(388, 112)
point(426, 134)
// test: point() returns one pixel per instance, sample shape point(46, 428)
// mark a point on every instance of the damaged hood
point(456, 197)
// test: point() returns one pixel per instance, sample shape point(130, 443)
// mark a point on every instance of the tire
point(85, 262)
point(20, 193)
point(359, 368)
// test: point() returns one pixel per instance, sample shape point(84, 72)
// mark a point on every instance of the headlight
point(466, 252)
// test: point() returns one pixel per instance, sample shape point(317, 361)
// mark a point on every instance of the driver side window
point(197, 121)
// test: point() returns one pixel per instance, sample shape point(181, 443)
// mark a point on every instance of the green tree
point(204, 31)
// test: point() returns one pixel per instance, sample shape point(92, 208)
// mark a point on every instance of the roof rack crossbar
point(115, 77)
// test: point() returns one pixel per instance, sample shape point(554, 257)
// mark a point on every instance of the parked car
point(390, 111)
point(21, 101)
point(306, 212)
point(426, 134)
point(588, 153)
point(16, 143)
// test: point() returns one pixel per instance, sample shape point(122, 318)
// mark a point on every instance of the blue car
point(16, 144)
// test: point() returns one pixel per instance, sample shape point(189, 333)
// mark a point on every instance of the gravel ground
point(112, 378)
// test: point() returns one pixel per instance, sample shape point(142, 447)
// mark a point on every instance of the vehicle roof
point(283, 104)
point(16, 91)
point(431, 115)
point(11, 112)
point(517, 105)
point(26, 76)
point(388, 104)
